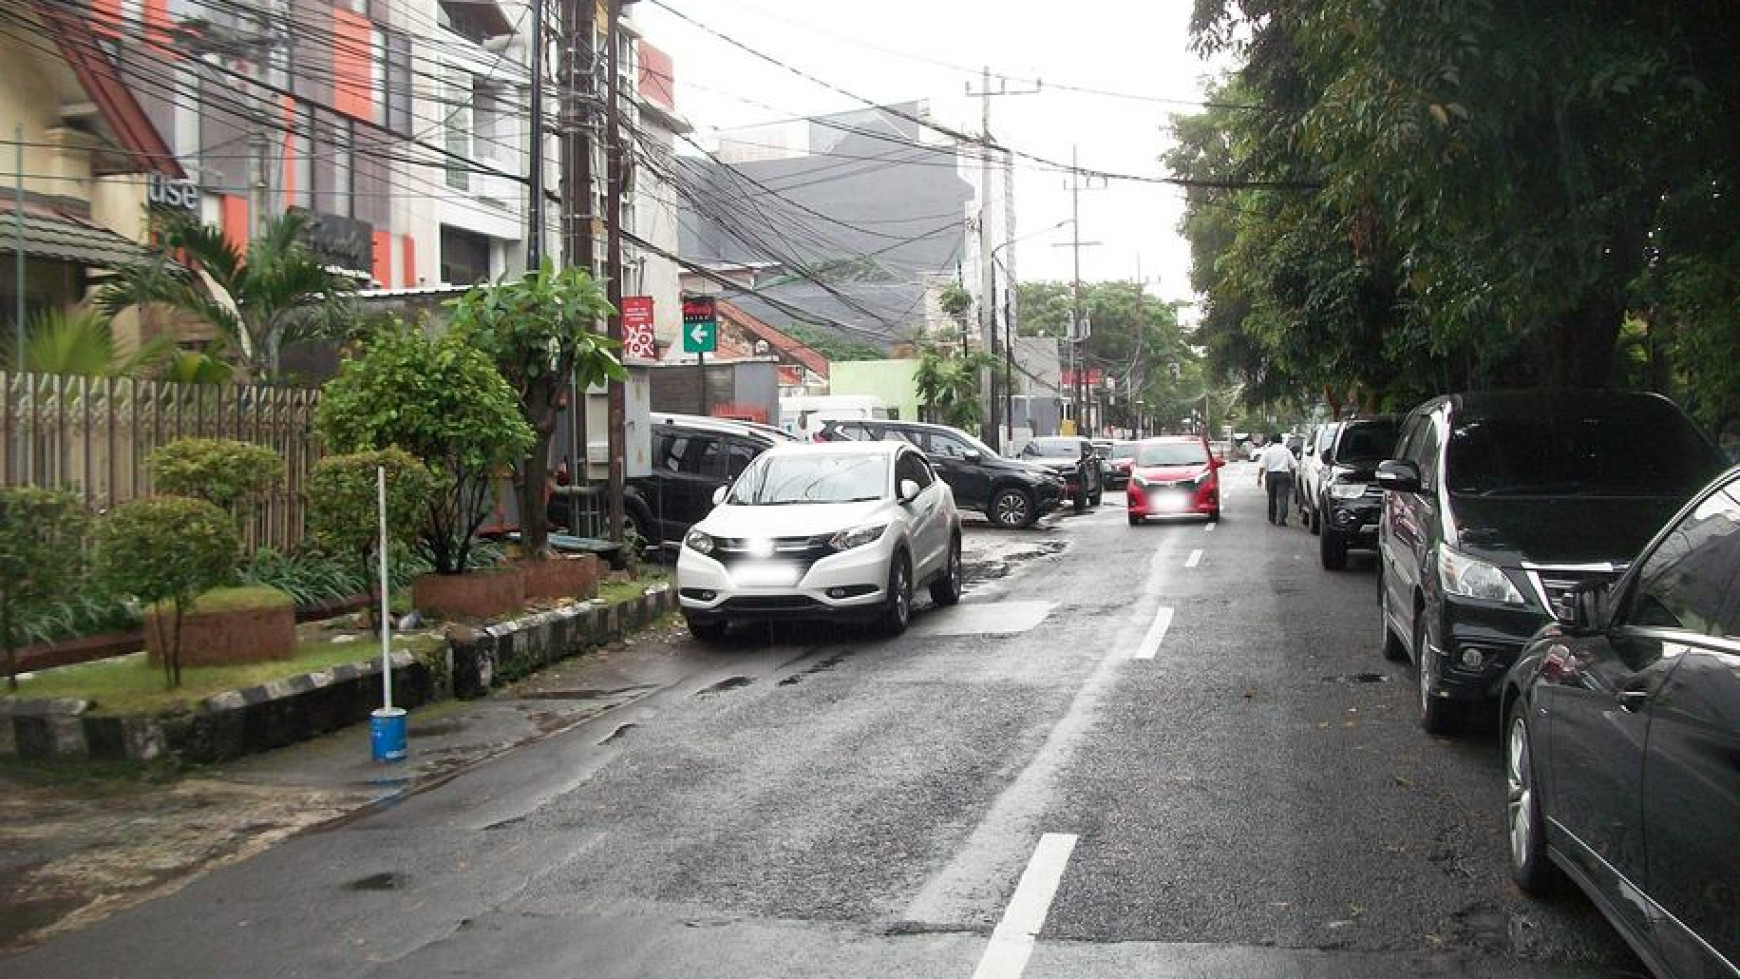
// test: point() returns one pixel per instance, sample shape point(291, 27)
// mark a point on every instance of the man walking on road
point(1275, 470)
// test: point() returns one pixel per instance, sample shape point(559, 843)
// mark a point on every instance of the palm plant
point(81, 342)
point(948, 384)
point(275, 292)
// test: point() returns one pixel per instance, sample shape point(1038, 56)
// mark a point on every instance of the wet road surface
point(1169, 750)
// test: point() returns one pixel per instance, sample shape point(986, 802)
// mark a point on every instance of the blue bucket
point(387, 734)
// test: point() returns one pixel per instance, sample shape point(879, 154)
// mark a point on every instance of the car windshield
point(1171, 454)
point(812, 478)
point(1123, 450)
point(1630, 449)
point(976, 445)
point(1052, 447)
point(1373, 441)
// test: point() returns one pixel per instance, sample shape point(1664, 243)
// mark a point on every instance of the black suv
point(1010, 493)
point(1348, 504)
point(1076, 460)
point(1500, 505)
point(692, 455)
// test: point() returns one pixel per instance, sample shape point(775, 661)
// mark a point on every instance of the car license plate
point(1169, 500)
point(767, 574)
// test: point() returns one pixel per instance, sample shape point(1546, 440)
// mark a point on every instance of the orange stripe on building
point(408, 249)
point(159, 28)
point(106, 17)
point(352, 65)
point(290, 187)
point(233, 211)
point(383, 267)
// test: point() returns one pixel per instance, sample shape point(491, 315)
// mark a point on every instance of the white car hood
point(793, 520)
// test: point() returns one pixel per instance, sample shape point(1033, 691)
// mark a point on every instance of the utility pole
point(1013, 303)
point(535, 210)
point(618, 413)
point(579, 85)
point(1078, 328)
point(991, 430)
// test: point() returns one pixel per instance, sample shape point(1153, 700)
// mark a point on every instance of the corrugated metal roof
point(50, 234)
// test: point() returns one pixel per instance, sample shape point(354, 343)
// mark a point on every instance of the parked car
point(839, 530)
point(1346, 503)
point(692, 457)
point(1622, 730)
point(1010, 492)
point(1173, 476)
point(1122, 455)
point(1500, 505)
point(1074, 459)
point(1309, 478)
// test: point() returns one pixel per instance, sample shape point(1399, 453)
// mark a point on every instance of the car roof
point(900, 423)
point(1191, 439)
point(1546, 400)
point(885, 447)
point(723, 426)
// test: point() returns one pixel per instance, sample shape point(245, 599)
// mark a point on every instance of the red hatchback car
point(1174, 476)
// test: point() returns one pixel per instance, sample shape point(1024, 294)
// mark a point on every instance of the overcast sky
point(902, 50)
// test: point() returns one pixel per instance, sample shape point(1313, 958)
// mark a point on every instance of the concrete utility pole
point(618, 416)
point(1079, 329)
point(991, 429)
point(579, 88)
point(535, 194)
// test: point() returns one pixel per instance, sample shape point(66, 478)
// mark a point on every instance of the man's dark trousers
point(1280, 486)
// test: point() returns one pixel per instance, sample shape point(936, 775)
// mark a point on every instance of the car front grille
point(803, 551)
point(771, 603)
point(1554, 586)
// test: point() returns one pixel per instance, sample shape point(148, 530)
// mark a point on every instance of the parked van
point(804, 415)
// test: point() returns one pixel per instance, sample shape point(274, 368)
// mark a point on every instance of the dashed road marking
point(1156, 634)
point(1194, 559)
point(1211, 525)
point(1012, 942)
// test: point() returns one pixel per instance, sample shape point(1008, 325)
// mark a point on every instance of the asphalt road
point(1043, 782)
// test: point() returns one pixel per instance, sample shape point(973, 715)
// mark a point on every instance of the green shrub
point(42, 552)
point(443, 402)
point(226, 473)
point(344, 506)
point(167, 549)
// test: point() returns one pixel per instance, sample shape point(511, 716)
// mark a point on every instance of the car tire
point(1012, 508)
point(637, 521)
point(1099, 495)
point(1136, 521)
point(1313, 520)
point(1525, 829)
point(1388, 642)
point(1332, 551)
point(1438, 715)
point(897, 614)
point(1080, 503)
point(708, 631)
point(947, 587)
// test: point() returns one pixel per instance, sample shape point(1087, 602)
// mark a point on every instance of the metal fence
point(92, 435)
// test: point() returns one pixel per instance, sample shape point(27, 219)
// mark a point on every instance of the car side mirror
point(973, 456)
point(909, 490)
point(720, 494)
point(1215, 462)
point(1588, 606)
point(1399, 476)
point(1311, 450)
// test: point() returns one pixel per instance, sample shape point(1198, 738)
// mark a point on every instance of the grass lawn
point(131, 685)
point(621, 591)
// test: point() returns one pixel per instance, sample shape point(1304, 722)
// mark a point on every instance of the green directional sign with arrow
point(700, 326)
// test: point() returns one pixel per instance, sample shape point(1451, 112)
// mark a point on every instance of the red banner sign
point(1093, 377)
point(637, 328)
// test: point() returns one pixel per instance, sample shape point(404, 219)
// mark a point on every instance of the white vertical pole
point(386, 616)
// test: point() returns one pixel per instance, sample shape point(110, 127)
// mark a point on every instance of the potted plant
point(540, 330)
point(442, 401)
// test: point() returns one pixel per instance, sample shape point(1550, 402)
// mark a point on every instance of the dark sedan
point(1622, 737)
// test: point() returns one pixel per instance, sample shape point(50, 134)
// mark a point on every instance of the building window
point(464, 257)
point(487, 118)
point(457, 108)
point(398, 83)
point(334, 174)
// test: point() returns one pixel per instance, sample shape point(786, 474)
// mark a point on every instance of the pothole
point(724, 686)
point(388, 881)
point(617, 734)
point(1358, 678)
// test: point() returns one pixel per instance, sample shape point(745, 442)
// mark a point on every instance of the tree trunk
point(6, 640)
point(539, 405)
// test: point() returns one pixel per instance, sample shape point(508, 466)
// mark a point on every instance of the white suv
point(823, 531)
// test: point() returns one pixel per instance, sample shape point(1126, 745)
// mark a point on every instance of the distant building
point(857, 219)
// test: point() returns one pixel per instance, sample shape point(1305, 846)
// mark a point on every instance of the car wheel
point(1529, 865)
point(1388, 642)
point(1214, 515)
point(1013, 508)
point(1314, 520)
point(1095, 499)
point(709, 631)
point(1080, 503)
point(1438, 715)
point(946, 589)
point(1135, 521)
point(1332, 551)
point(898, 612)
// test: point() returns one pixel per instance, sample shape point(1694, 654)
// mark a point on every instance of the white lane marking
point(1156, 634)
point(1194, 559)
point(1012, 942)
point(1211, 525)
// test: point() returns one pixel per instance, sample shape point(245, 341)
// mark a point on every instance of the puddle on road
point(1358, 678)
point(582, 693)
point(618, 734)
point(387, 881)
point(724, 686)
point(821, 667)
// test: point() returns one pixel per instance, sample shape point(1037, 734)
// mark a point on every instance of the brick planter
point(226, 637)
point(474, 595)
point(563, 577)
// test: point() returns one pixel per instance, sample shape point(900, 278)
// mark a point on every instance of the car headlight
point(845, 540)
point(698, 542)
point(1465, 576)
point(1346, 491)
point(1139, 482)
